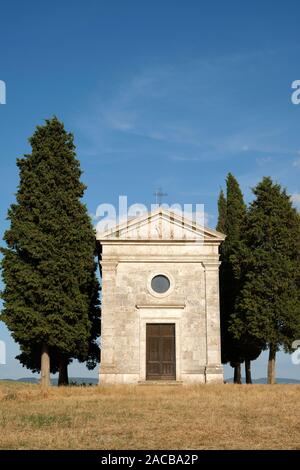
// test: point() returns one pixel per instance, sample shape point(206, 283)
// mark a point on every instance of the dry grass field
point(150, 417)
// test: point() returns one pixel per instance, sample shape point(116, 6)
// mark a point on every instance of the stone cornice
point(122, 241)
point(207, 262)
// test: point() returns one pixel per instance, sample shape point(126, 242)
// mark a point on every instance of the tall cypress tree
point(51, 302)
point(231, 218)
point(222, 207)
point(269, 303)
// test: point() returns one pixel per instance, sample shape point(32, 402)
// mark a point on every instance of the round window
point(160, 284)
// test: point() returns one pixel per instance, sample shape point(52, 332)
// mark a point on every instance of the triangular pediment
point(161, 224)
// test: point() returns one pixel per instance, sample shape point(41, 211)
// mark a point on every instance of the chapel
point(160, 301)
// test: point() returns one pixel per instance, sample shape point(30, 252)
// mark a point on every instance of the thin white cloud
point(183, 158)
point(296, 163)
point(296, 199)
point(185, 105)
point(261, 161)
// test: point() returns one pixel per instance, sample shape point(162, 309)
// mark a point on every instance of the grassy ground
point(147, 417)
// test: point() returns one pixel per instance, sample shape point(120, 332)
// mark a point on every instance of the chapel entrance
point(160, 351)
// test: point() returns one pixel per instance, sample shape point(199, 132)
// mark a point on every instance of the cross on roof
point(159, 195)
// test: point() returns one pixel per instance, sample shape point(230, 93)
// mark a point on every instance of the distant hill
point(280, 380)
point(72, 380)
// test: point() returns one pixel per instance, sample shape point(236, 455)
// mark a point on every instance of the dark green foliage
point(231, 218)
point(269, 303)
point(222, 207)
point(51, 290)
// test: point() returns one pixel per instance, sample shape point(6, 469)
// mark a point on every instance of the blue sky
point(158, 93)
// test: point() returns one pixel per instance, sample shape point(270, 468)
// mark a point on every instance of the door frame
point(151, 314)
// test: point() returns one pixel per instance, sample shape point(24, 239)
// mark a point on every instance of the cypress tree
point(269, 301)
point(51, 303)
point(232, 211)
point(221, 212)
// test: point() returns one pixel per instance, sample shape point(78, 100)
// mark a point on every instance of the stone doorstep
point(160, 382)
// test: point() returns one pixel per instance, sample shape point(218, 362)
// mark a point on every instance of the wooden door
point(160, 351)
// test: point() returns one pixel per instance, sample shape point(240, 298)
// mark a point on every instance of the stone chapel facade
point(160, 301)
